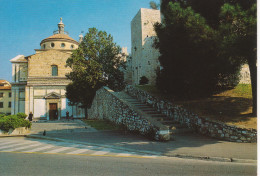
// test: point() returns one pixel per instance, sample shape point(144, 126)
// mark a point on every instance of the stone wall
point(108, 104)
point(40, 64)
point(202, 125)
point(15, 132)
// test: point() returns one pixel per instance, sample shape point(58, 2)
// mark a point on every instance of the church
point(39, 81)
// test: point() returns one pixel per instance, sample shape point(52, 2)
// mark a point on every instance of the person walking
point(67, 115)
point(30, 116)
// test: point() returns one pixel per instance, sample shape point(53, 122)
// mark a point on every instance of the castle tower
point(144, 56)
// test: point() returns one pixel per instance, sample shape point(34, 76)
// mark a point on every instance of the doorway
point(53, 111)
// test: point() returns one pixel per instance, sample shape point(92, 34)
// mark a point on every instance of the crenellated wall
point(202, 125)
point(108, 104)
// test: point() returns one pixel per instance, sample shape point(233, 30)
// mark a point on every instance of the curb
point(17, 135)
point(183, 156)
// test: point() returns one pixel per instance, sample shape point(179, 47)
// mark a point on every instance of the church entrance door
point(53, 111)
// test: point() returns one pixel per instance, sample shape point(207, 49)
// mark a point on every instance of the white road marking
point(150, 156)
point(39, 149)
point(124, 154)
point(14, 145)
point(8, 142)
point(24, 147)
point(100, 152)
point(78, 151)
point(60, 149)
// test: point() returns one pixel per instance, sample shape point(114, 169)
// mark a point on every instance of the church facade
point(39, 81)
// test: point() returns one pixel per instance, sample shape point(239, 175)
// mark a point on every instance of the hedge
point(12, 122)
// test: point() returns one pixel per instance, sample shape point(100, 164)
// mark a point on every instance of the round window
point(52, 45)
point(62, 45)
point(72, 46)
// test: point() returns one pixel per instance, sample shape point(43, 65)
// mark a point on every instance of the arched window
point(54, 70)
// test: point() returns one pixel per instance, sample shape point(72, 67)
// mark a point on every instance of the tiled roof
point(7, 85)
point(19, 58)
point(60, 36)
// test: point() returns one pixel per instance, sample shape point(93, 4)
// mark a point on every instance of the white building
point(39, 81)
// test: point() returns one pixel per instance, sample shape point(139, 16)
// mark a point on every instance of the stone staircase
point(147, 110)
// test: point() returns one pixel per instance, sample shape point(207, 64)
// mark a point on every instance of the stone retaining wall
point(108, 104)
point(202, 125)
point(15, 132)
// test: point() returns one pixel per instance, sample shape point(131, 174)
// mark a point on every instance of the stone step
point(151, 112)
point(142, 106)
point(147, 109)
point(161, 119)
point(171, 122)
point(158, 115)
point(133, 101)
point(175, 126)
point(181, 131)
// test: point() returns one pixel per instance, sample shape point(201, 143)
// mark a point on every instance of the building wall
point(40, 64)
point(57, 45)
point(144, 56)
point(33, 81)
point(245, 75)
point(5, 100)
point(18, 98)
point(38, 104)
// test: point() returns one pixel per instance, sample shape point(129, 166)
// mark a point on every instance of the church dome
point(60, 40)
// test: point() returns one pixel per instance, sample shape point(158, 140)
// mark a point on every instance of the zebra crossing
point(26, 145)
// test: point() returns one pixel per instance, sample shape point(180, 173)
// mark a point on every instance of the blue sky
point(24, 23)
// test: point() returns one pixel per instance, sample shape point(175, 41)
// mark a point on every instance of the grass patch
point(233, 107)
point(241, 90)
point(103, 125)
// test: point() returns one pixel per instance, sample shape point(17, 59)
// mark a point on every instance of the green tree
point(189, 54)
point(239, 33)
point(97, 62)
point(209, 9)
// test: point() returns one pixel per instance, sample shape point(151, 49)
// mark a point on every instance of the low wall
point(15, 132)
point(108, 104)
point(202, 125)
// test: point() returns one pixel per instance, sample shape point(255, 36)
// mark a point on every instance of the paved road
point(12, 164)
point(29, 145)
point(184, 144)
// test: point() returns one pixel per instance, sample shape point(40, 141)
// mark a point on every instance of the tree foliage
point(189, 54)
point(239, 32)
point(234, 23)
point(209, 9)
point(97, 62)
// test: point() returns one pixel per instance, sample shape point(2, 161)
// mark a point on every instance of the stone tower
point(144, 56)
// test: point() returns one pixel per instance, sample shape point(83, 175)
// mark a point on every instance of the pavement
point(188, 145)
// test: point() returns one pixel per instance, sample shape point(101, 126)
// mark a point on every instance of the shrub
point(12, 122)
point(21, 115)
point(143, 80)
point(2, 115)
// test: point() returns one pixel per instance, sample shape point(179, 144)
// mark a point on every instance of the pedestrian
point(67, 115)
point(30, 116)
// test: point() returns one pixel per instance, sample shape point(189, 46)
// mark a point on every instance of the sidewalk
point(185, 145)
